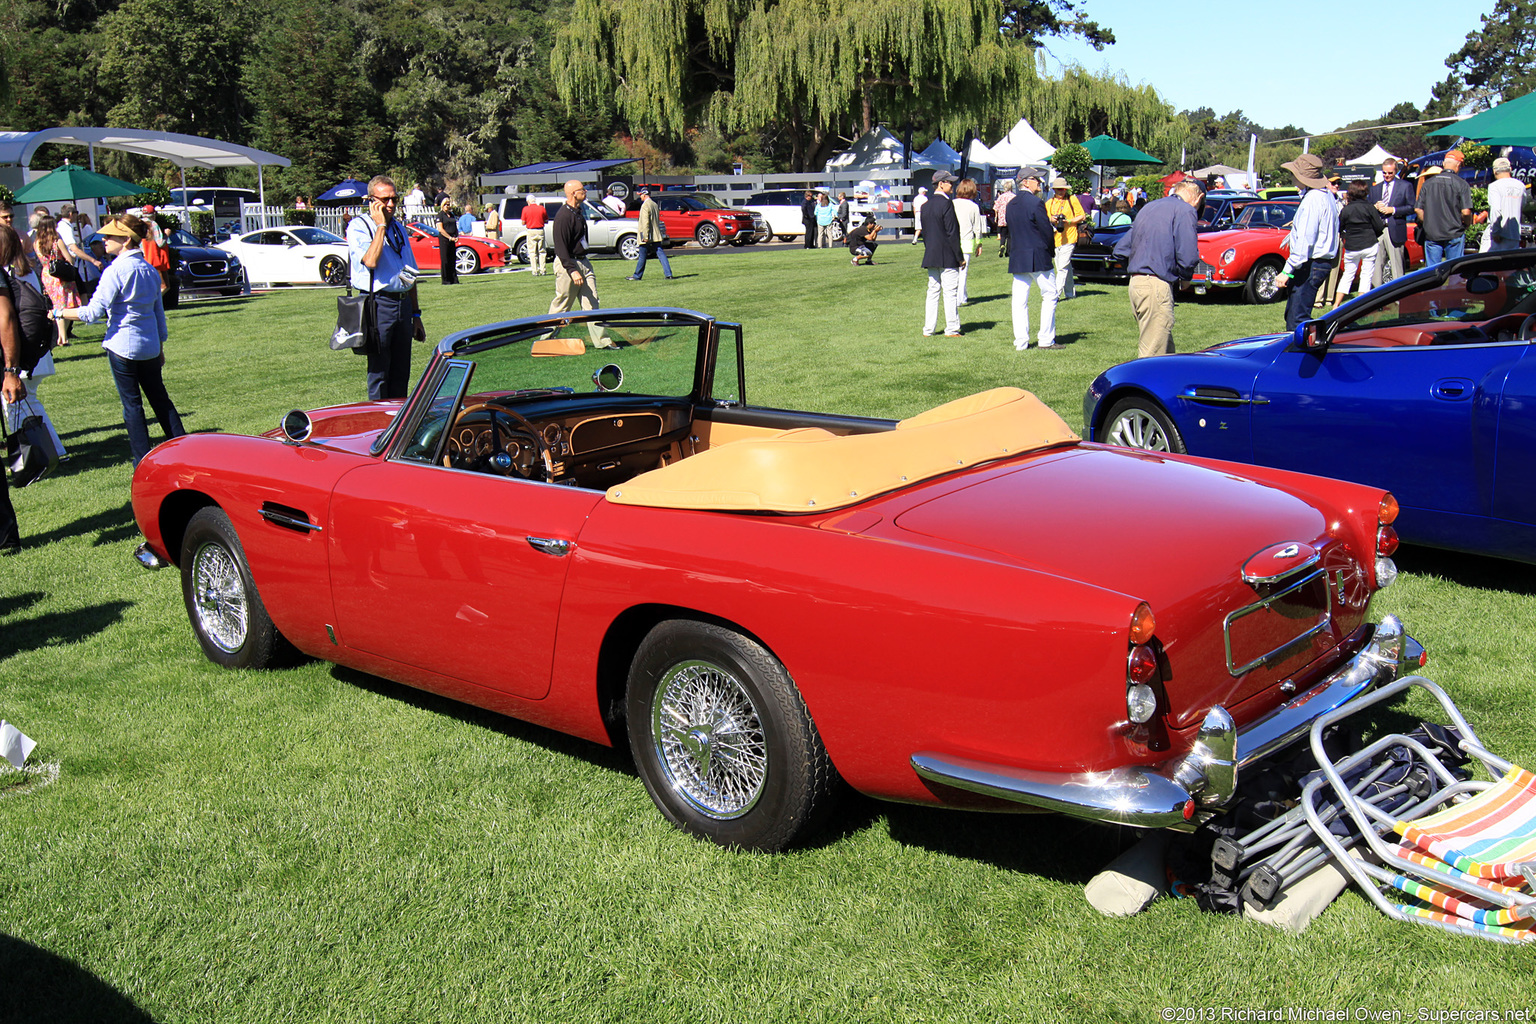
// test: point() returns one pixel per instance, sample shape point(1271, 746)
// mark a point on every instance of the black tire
point(520, 251)
point(707, 235)
point(227, 615)
point(333, 271)
point(1141, 423)
point(466, 260)
point(629, 247)
point(741, 763)
point(786, 238)
point(1260, 287)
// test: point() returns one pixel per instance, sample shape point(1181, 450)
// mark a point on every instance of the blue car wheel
point(1139, 423)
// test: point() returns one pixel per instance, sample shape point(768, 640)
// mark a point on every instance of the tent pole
point(261, 195)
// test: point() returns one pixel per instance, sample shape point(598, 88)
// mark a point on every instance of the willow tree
point(811, 67)
point(1080, 105)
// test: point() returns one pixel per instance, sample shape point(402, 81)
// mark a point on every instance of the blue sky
point(1317, 66)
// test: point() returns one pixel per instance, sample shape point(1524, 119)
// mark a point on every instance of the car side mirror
point(296, 426)
point(1313, 335)
point(608, 377)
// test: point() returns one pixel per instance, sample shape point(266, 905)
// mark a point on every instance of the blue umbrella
point(349, 191)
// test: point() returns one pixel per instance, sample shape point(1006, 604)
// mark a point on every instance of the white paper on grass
point(15, 746)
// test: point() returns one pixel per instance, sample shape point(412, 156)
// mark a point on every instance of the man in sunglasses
point(382, 263)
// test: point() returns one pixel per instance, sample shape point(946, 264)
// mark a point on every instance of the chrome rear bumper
point(1182, 792)
point(147, 558)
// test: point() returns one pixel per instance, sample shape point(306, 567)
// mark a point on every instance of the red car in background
point(471, 254)
point(1251, 253)
point(703, 218)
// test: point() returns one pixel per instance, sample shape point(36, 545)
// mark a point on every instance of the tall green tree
point(1497, 62)
point(175, 65)
point(311, 102)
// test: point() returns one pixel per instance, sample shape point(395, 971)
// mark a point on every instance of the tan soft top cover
point(813, 470)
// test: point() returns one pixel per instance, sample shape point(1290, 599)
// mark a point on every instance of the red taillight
point(1386, 540)
point(1387, 513)
point(1141, 666)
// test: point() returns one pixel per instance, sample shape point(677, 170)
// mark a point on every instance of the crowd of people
point(63, 271)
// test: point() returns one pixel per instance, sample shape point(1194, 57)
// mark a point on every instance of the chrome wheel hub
point(218, 597)
point(1136, 428)
point(708, 739)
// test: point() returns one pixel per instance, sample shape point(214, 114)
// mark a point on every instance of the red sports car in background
point(471, 253)
point(765, 604)
point(1250, 254)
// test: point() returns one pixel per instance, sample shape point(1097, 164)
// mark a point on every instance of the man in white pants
point(1031, 247)
point(942, 257)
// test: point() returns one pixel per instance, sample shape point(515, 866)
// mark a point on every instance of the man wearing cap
point(1314, 239)
point(1393, 199)
point(652, 235)
point(1160, 251)
point(942, 257)
point(1506, 195)
point(1066, 213)
point(1031, 250)
point(382, 263)
point(1444, 208)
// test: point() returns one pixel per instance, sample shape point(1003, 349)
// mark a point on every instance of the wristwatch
point(15, 370)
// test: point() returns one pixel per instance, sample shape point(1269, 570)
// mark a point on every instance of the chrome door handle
point(550, 546)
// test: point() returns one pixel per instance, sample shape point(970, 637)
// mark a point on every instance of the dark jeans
point(1310, 276)
point(810, 234)
point(1002, 239)
point(389, 363)
point(131, 377)
point(659, 252)
point(10, 533)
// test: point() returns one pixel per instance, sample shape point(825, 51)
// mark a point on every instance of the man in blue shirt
point(467, 219)
point(1160, 251)
point(382, 263)
point(1314, 239)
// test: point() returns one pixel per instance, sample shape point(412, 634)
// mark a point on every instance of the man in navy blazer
point(1031, 261)
point(942, 257)
point(1394, 198)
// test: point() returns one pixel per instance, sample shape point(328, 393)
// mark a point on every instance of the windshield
point(709, 201)
point(317, 236)
point(656, 357)
point(1469, 295)
point(185, 240)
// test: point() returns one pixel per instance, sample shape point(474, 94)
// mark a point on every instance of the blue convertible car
point(1425, 386)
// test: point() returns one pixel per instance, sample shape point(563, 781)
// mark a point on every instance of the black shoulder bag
point(354, 319)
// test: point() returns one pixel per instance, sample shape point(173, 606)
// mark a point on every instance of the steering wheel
point(490, 439)
point(1527, 330)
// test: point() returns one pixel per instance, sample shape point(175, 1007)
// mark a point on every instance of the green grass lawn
point(318, 845)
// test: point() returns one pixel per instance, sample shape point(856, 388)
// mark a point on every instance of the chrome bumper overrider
point(147, 558)
point(1182, 792)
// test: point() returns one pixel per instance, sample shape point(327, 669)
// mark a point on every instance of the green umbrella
point(1105, 150)
point(73, 182)
point(1508, 124)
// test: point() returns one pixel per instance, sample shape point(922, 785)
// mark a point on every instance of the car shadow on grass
point(1477, 571)
point(613, 758)
point(45, 986)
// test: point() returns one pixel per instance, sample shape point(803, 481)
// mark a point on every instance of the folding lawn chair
point(1465, 854)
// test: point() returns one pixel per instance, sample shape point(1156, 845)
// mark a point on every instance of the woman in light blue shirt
point(128, 295)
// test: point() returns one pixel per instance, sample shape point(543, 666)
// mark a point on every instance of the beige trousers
point(568, 295)
point(1152, 302)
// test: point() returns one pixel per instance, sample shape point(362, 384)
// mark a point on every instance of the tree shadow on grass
point(110, 526)
point(20, 602)
point(1476, 571)
point(43, 986)
point(59, 628)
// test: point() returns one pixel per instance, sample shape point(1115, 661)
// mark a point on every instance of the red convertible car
point(471, 253)
point(970, 607)
point(1251, 253)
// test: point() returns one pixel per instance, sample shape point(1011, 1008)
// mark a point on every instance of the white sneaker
point(1020, 348)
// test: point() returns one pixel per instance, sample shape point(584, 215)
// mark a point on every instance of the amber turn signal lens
point(1387, 513)
point(1143, 625)
point(1386, 540)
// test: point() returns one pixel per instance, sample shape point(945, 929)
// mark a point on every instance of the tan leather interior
point(812, 470)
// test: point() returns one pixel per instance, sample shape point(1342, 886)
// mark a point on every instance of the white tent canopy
point(1021, 146)
point(979, 155)
point(1221, 170)
point(17, 148)
point(942, 154)
point(876, 148)
point(1374, 155)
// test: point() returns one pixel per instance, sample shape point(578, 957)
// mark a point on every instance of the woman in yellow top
point(1065, 213)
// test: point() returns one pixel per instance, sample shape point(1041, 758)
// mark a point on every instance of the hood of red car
point(1171, 533)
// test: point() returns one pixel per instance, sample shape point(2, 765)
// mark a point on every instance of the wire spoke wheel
point(219, 597)
point(709, 739)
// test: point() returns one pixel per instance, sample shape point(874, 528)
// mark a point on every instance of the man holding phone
point(382, 263)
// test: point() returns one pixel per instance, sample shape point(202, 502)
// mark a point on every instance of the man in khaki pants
point(1160, 251)
point(573, 273)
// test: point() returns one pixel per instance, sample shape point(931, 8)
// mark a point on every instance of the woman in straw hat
point(128, 295)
